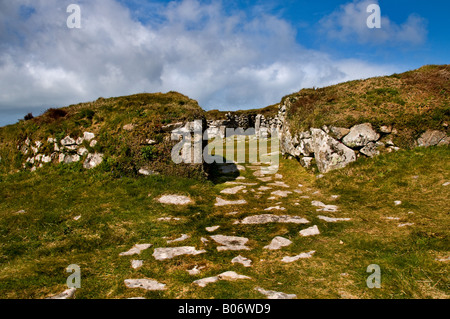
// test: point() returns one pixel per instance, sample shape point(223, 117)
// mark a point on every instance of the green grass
point(116, 213)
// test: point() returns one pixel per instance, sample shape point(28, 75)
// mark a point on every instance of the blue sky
point(225, 54)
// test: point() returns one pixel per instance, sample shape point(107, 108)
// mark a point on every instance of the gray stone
point(71, 158)
point(370, 150)
point(288, 259)
point(310, 231)
point(136, 249)
point(228, 275)
point(147, 284)
point(175, 199)
point(360, 135)
point(87, 136)
point(93, 160)
point(223, 202)
point(135, 264)
point(68, 141)
point(242, 260)
point(333, 220)
point(339, 132)
point(233, 190)
point(212, 228)
point(277, 243)
point(82, 151)
point(329, 153)
point(323, 207)
point(432, 137)
point(281, 193)
point(181, 238)
point(269, 218)
point(147, 172)
point(66, 294)
point(275, 294)
point(230, 242)
point(170, 252)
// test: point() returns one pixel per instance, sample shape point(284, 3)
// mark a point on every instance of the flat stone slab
point(181, 238)
point(281, 193)
point(66, 294)
point(240, 183)
point(264, 188)
point(310, 231)
point(228, 275)
point(278, 242)
point(279, 184)
point(224, 202)
point(135, 264)
point(147, 284)
point(288, 259)
point(232, 190)
point(265, 179)
point(275, 294)
point(170, 252)
point(242, 260)
point(275, 208)
point(230, 242)
point(195, 271)
point(136, 249)
point(405, 224)
point(270, 218)
point(168, 219)
point(324, 207)
point(333, 220)
point(212, 228)
point(175, 199)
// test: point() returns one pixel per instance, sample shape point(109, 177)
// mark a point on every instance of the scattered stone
point(288, 259)
point(278, 176)
point(311, 231)
point(405, 224)
point(275, 207)
point(212, 228)
point(175, 199)
point(68, 141)
point(392, 218)
point(204, 240)
point(279, 184)
point(21, 212)
point(230, 242)
point(181, 238)
point(397, 202)
point(146, 284)
point(66, 294)
point(443, 259)
point(433, 137)
point(68, 159)
point(335, 196)
point(339, 132)
point(228, 275)
point(264, 188)
point(242, 260)
point(446, 184)
point(233, 190)
point(269, 218)
point(223, 202)
point(241, 183)
point(275, 294)
point(77, 217)
point(147, 172)
point(240, 177)
point(333, 220)
point(278, 242)
point(136, 249)
point(87, 136)
point(128, 127)
point(135, 264)
point(170, 252)
point(93, 160)
point(265, 179)
point(320, 176)
point(232, 213)
point(168, 219)
point(370, 150)
point(93, 143)
point(323, 207)
point(281, 193)
point(195, 271)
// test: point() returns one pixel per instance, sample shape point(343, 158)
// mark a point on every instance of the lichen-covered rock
point(360, 135)
point(93, 160)
point(370, 150)
point(433, 137)
point(329, 153)
point(68, 141)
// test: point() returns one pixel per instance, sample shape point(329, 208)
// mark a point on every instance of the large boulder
point(431, 138)
point(329, 153)
point(360, 135)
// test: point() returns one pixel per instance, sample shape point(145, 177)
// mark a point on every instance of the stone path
point(235, 207)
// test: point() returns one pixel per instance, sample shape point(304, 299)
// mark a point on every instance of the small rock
point(275, 294)
point(77, 217)
point(446, 184)
point(146, 284)
point(230, 242)
point(281, 193)
point(136, 249)
point(311, 231)
point(242, 260)
point(170, 252)
point(87, 136)
point(135, 264)
point(212, 228)
point(288, 259)
point(175, 199)
point(168, 219)
point(278, 242)
point(128, 127)
point(66, 294)
point(405, 224)
point(269, 218)
point(333, 220)
point(232, 190)
point(228, 275)
point(195, 271)
point(397, 202)
point(181, 238)
point(223, 202)
point(93, 160)
point(275, 207)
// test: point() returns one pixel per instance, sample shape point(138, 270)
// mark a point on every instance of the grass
point(117, 213)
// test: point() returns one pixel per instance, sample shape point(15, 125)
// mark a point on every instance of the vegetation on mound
point(125, 150)
point(412, 102)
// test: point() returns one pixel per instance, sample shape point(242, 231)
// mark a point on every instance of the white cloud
point(348, 23)
point(222, 60)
